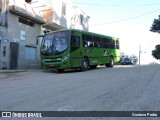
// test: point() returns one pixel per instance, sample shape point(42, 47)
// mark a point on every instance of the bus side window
point(85, 44)
point(87, 41)
point(75, 42)
point(97, 41)
point(89, 44)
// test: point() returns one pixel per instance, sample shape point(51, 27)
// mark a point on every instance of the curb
point(12, 71)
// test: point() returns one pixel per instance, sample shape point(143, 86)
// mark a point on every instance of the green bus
point(71, 48)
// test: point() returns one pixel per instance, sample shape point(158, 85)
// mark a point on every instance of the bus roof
point(86, 32)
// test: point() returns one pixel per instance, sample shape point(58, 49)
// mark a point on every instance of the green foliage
point(156, 28)
point(156, 25)
point(134, 58)
point(156, 52)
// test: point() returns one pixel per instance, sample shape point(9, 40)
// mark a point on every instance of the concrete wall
point(4, 48)
point(16, 29)
point(71, 18)
point(51, 11)
point(3, 14)
point(13, 31)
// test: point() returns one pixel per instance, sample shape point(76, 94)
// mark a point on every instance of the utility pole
point(4, 13)
point(140, 54)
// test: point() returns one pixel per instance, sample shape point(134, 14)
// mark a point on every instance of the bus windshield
point(55, 42)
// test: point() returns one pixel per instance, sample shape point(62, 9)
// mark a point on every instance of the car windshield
point(55, 42)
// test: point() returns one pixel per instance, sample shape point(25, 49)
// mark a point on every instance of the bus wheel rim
point(85, 64)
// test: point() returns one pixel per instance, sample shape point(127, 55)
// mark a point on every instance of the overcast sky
point(128, 20)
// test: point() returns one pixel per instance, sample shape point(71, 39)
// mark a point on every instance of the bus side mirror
point(38, 39)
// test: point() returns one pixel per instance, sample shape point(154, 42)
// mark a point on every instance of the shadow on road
point(74, 70)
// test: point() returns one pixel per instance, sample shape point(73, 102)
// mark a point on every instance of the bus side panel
point(97, 56)
point(115, 53)
point(76, 54)
point(87, 52)
point(75, 60)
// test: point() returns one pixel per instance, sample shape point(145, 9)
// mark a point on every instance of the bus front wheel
point(111, 63)
point(85, 64)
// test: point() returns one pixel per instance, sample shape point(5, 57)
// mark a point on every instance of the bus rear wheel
point(111, 63)
point(85, 64)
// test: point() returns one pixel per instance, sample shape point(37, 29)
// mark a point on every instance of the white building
point(22, 20)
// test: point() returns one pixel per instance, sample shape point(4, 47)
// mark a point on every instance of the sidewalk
point(12, 71)
point(21, 70)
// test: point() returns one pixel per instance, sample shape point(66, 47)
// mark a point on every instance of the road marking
point(65, 108)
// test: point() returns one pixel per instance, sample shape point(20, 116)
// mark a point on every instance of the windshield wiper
point(54, 48)
point(46, 52)
point(50, 51)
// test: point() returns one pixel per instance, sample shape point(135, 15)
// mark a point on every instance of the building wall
point(18, 45)
point(28, 55)
point(4, 45)
point(52, 11)
point(62, 13)
point(70, 18)
point(25, 36)
point(3, 13)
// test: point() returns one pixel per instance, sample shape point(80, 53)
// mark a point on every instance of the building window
point(81, 19)
point(63, 9)
point(26, 22)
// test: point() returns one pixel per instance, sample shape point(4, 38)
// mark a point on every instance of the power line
point(150, 4)
point(119, 5)
point(87, 4)
point(131, 5)
point(152, 42)
point(126, 18)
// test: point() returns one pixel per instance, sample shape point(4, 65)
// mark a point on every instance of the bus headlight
point(65, 57)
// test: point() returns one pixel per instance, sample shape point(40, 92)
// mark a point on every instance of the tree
point(134, 58)
point(156, 52)
point(156, 25)
point(156, 28)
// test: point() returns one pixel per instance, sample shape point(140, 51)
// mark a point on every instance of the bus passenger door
point(75, 55)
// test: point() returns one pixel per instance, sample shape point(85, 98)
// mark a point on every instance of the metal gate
point(14, 55)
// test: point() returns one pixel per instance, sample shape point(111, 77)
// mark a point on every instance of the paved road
point(102, 89)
